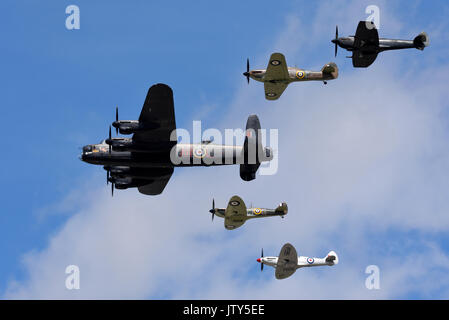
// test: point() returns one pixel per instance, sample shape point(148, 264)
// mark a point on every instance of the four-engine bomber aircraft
point(288, 261)
point(278, 75)
point(145, 161)
point(236, 213)
point(365, 45)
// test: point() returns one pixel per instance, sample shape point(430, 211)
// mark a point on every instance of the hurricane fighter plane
point(146, 161)
point(288, 261)
point(278, 75)
point(236, 213)
point(366, 44)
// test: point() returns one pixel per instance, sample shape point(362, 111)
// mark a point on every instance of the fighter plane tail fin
point(421, 41)
point(330, 69)
point(332, 258)
point(282, 208)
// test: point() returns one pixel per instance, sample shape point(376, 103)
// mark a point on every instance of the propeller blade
point(261, 266)
point(336, 40)
point(107, 177)
point(112, 189)
point(116, 119)
point(262, 253)
point(110, 147)
point(213, 209)
point(246, 74)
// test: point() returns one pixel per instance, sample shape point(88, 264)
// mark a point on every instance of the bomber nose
point(258, 260)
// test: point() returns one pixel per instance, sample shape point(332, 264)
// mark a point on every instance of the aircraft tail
point(421, 41)
point(332, 258)
point(253, 152)
point(282, 208)
point(331, 70)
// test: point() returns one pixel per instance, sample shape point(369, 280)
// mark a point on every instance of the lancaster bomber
point(146, 161)
point(366, 44)
point(278, 75)
point(288, 261)
point(236, 213)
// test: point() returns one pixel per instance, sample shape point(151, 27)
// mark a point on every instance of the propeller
point(336, 40)
point(261, 264)
point(246, 74)
point(116, 119)
point(112, 189)
point(213, 209)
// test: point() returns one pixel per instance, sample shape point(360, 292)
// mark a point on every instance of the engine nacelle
point(133, 126)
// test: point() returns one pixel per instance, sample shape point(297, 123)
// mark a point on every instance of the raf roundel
point(257, 211)
point(300, 74)
point(310, 260)
point(275, 62)
point(271, 94)
point(234, 203)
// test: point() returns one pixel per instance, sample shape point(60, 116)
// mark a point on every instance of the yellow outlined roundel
point(300, 74)
point(257, 211)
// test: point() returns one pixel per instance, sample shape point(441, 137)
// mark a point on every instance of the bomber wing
point(156, 185)
point(158, 112)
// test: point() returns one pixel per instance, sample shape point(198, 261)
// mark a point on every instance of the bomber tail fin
point(421, 41)
point(253, 151)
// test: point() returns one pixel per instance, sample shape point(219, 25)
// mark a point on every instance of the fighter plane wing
point(277, 68)
point(274, 90)
point(362, 59)
point(235, 213)
point(158, 112)
point(366, 35)
point(156, 185)
point(287, 262)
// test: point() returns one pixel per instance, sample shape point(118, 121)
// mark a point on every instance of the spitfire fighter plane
point(366, 44)
point(288, 261)
point(278, 75)
point(236, 213)
point(146, 160)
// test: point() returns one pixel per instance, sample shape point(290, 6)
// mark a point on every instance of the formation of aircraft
point(145, 161)
point(288, 261)
point(366, 44)
point(278, 75)
point(236, 213)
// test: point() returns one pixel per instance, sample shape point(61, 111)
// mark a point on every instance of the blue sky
point(59, 90)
